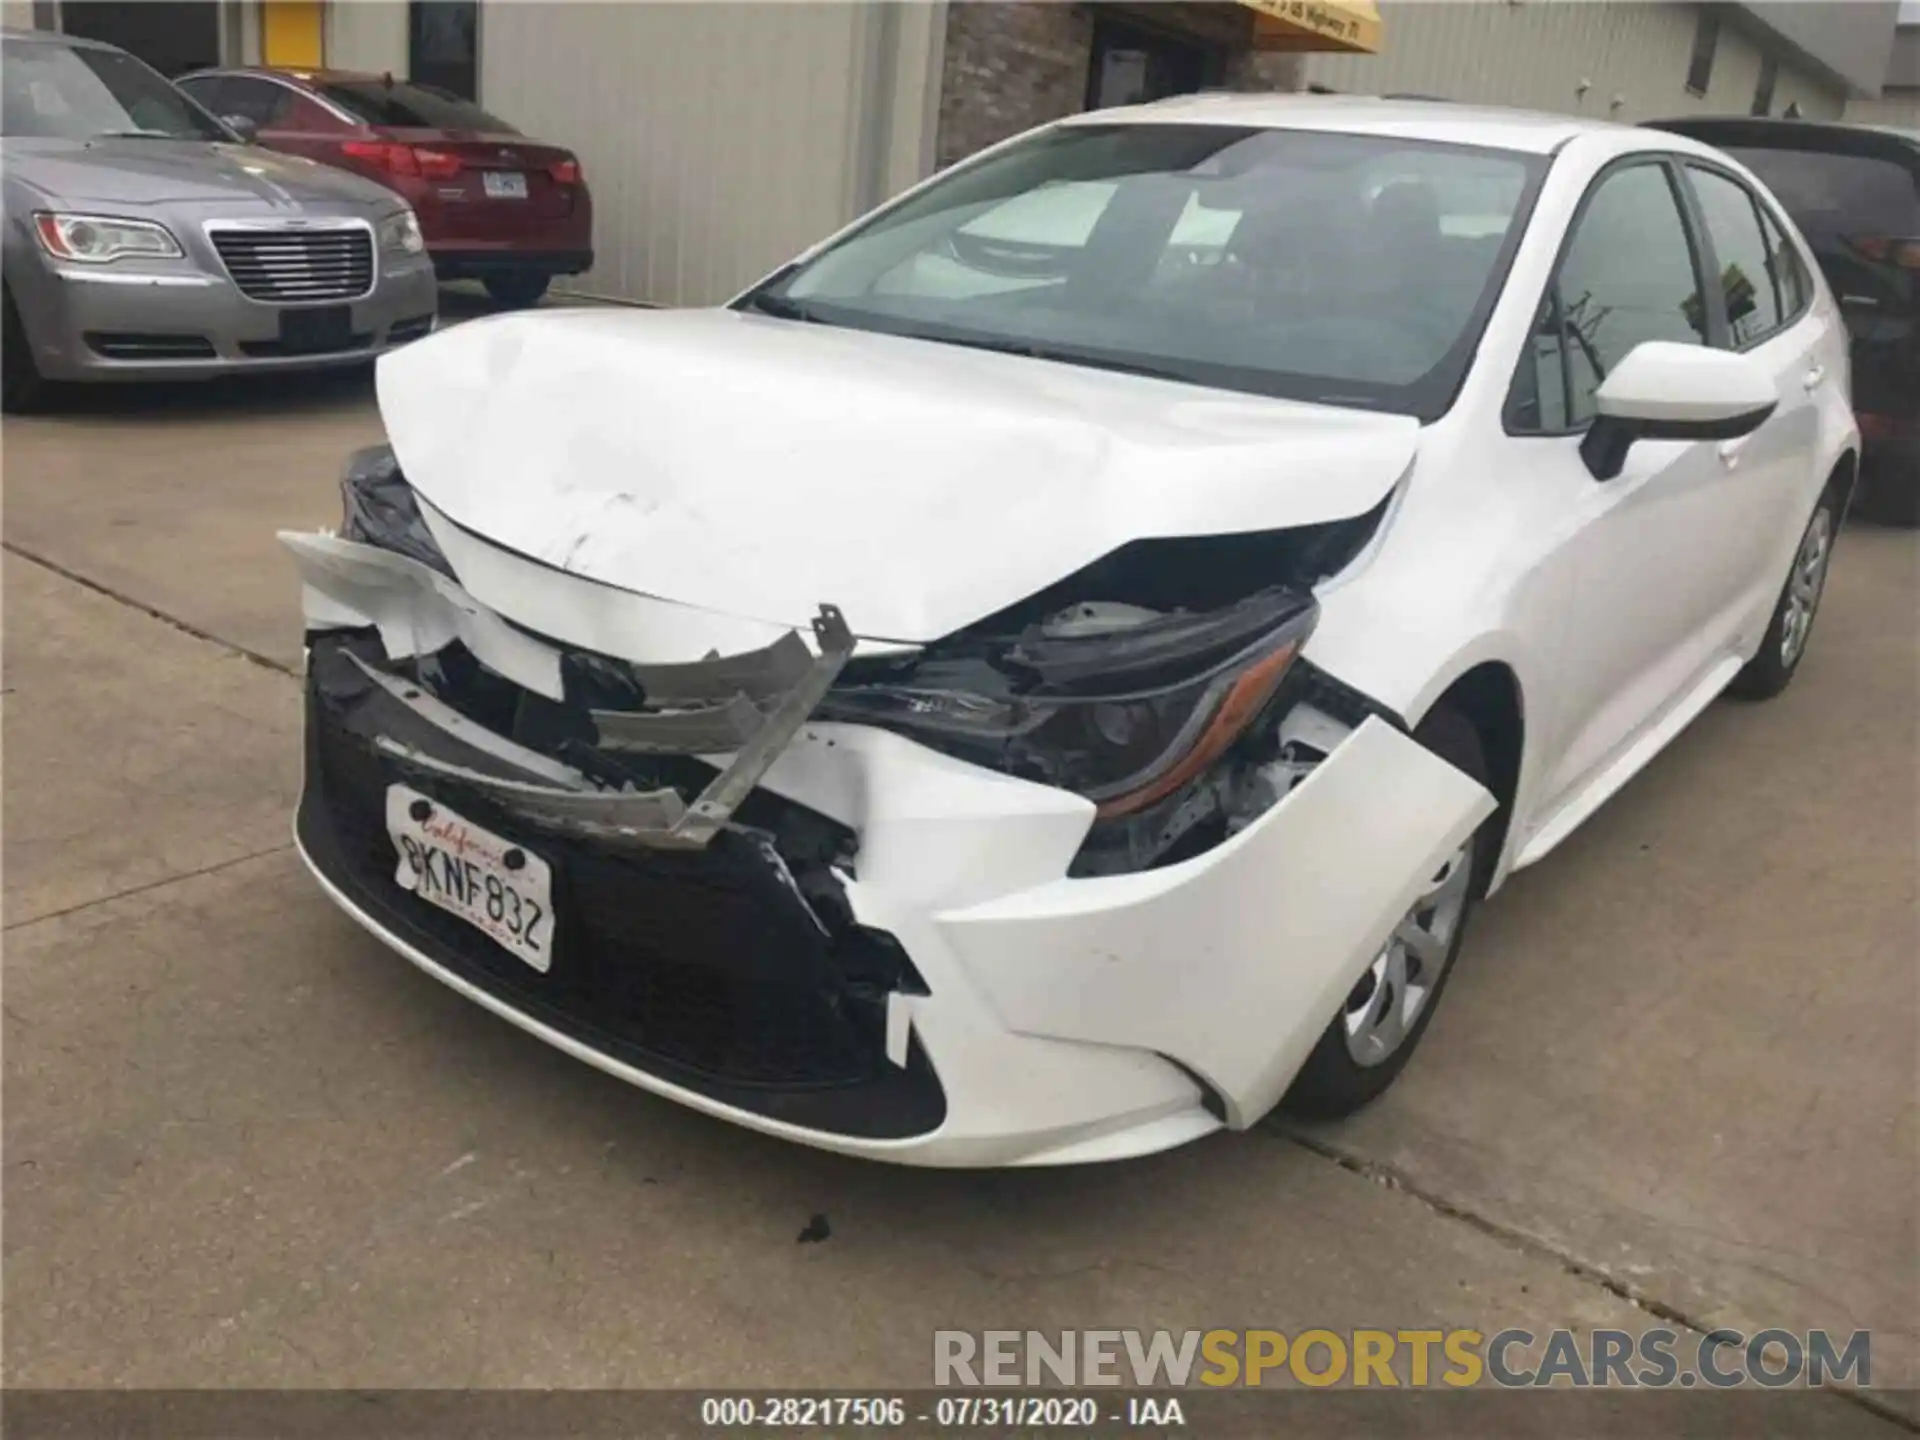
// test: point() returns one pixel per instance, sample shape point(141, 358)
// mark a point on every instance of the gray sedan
point(144, 239)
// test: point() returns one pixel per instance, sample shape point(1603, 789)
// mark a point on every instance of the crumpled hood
point(759, 467)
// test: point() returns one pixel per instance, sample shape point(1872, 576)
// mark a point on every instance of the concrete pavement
point(246, 1146)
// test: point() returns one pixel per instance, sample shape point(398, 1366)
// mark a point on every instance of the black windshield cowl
point(781, 308)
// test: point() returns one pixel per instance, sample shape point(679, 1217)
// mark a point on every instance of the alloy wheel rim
point(1804, 585)
point(1385, 1006)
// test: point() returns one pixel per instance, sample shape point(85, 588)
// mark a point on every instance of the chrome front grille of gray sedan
point(294, 265)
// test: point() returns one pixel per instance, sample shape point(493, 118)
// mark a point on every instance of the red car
point(494, 206)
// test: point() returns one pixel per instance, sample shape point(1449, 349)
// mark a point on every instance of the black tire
point(1333, 1083)
point(518, 288)
point(22, 388)
point(1774, 664)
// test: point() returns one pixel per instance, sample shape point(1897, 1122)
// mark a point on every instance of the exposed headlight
point(378, 507)
point(402, 232)
point(1124, 708)
point(96, 239)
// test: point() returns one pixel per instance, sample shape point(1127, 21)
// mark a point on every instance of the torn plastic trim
point(705, 730)
point(443, 716)
point(572, 802)
point(378, 507)
point(759, 674)
point(418, 610)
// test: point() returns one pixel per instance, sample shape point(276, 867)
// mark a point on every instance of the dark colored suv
point(1854, 191)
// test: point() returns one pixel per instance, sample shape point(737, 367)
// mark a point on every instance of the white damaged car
point(1048, 674)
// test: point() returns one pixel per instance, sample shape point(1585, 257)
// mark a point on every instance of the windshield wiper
point(142, 135)
point(1034, 350)
point(782, 308)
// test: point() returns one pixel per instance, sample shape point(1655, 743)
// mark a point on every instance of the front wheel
point(1785, 643)
point(519, 288)
point(1390, 1006)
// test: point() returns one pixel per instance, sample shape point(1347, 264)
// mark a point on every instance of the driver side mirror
point(243, 127)
point(1667, 391)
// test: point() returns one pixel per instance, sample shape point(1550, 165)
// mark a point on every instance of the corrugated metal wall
point(1894, 107)
point(1538, 53)
point(718, 139)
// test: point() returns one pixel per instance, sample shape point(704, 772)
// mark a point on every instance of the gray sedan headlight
point(401, 232)
point(96, 239)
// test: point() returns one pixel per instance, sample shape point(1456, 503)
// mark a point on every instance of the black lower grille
point(267, 349)
point(701, 967)
point(129, 345)
point(413, 329)
point(298, 265)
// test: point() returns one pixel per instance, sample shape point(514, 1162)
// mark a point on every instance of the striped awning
point(1350, 27)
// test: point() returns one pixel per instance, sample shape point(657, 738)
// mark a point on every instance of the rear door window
point(1789, 270)
point(1755, 307)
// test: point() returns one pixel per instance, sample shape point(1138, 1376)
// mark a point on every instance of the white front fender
point(1232, 963)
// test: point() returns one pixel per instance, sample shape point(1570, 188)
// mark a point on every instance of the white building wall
point(1623, 61)
point(367, 35)
point(1894, 107)
point(718, 139)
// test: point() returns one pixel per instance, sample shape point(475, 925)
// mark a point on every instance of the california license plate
point(499, 887)
point(504, 184)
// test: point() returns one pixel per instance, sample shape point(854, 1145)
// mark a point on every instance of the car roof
point(1488, 126)
point(309, 75)
point(55, 37)
point(1759, 130)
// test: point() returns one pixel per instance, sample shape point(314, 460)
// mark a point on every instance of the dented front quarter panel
point(1231, 963)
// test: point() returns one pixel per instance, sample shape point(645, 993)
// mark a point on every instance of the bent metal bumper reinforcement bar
point(784, 677)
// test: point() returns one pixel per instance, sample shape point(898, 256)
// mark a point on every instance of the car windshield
point(77, 92)
point(1345, 269)
point(407, 105)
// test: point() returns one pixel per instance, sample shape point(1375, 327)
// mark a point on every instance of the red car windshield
point(407, 105)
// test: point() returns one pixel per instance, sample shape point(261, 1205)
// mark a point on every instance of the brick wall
point(1014, 64)
point(1010, 65)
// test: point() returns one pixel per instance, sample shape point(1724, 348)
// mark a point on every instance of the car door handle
point(1815, 374)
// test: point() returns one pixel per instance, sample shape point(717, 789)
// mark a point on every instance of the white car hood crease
point(759, 468)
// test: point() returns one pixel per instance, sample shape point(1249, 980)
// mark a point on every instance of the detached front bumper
point(924, 984)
